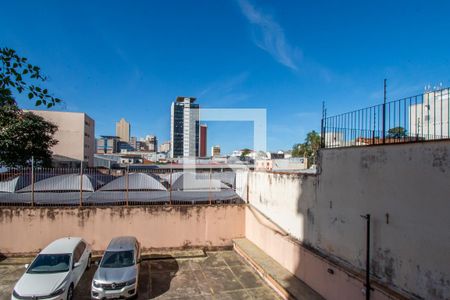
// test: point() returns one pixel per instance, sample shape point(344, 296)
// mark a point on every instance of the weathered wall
point(284, 198)
point(24, 230)
point(310, 267)
point(405, 188)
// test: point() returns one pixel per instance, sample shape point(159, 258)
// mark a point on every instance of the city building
point(134, 142)
point(165, 147)
point(430, 117)
point(275, 155)
point(75, 135)
point(282, 165)
point(203, 140)
point(184, 128)
point(107, 144)
point(123, 130)
point(125, 147)
point(215, 150)
point(152, 143)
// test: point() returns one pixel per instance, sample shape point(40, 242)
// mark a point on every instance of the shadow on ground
point(154, 279)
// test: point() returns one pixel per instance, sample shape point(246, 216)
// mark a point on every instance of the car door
point(137, 251)
point(84, 255)
point(78, 271)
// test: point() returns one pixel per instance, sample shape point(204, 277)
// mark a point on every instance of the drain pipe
point(367, 217)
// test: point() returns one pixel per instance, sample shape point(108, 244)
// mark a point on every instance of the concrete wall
point(405, 188)
point(286, 199)
point(310, 267)
point(24, 230)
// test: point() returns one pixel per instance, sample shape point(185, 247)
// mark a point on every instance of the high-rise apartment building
point(184, 129)
point(152, 143)
point(123, 130)
point(203, 140)
point(215, 150)
point(107, 144)
point(75, 135)
point(165, 147)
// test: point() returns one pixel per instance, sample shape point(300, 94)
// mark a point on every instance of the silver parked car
point(118, 271)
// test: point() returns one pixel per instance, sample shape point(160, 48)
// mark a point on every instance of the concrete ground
point(215, 275)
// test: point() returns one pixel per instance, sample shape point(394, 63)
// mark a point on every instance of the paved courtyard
point(216, 275)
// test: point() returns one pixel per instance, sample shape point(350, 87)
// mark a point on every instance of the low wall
point(27, 230)
point(310, 267)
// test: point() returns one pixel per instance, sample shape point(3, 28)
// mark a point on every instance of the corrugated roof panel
point(136, 181)
point(67, 182)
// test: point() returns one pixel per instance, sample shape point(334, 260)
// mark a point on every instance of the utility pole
point(384, 113)
point(81, 183)
point(32, 180)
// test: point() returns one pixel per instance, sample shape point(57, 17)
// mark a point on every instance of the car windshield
point(50, 263)
point(117, 259)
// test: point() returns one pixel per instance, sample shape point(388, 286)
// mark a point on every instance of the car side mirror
point(76, 265)
point(26, 266)
point(97, 262)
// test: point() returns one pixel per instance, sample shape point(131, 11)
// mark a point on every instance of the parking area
point(214, 275)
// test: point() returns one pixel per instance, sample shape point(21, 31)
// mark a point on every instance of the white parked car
point(55, 272)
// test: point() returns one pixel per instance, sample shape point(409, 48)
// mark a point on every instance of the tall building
point(152, 143)
point(123, 129)
point(165, 147)
point(215, 150)
point(134, 143)
point(203, 140)
point(184, 127)
point(75, 135)
point(107, 144)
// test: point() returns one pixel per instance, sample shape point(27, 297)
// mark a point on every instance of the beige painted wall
point(24, 230)
point(75, 134)
point(409, 182)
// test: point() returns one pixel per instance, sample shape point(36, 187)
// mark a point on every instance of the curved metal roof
point(17, 183)
point(9, 186)
point(226, 177)
point(136, 181)
point(193, 182)
point(67, 182)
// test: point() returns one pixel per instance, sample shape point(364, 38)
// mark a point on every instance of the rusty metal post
point(384, 114)
point(210, 177)
point(32, 181)
point(81, 183)
point(170, 185)
point(127, 184)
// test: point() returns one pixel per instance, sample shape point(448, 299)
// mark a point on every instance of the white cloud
point(269, 35)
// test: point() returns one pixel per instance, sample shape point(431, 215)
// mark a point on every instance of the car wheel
point(70, 292)
point(89, 262)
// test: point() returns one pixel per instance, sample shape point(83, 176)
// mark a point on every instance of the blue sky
point(130, 59)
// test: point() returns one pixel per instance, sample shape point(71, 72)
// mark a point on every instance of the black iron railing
point(412, 119)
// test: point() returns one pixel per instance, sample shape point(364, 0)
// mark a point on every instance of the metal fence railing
point(412, 119)
point(90, 186)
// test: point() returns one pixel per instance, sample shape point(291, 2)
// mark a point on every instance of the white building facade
point(430, 118)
